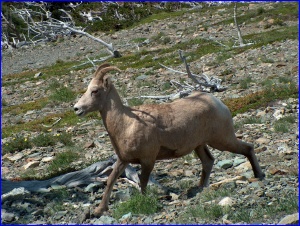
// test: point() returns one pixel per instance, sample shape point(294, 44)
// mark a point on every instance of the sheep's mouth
point(80, 113)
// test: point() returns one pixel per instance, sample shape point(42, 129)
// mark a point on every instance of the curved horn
point(100, 68)
point(103, 71)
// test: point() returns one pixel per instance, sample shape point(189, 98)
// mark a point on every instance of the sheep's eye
point(94, 92)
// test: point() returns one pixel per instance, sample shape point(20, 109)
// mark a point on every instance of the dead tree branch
point(240, 38)
point(201, 82)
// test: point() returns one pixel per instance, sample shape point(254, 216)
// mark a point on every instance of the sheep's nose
point(76, 108)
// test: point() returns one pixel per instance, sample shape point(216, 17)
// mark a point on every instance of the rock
point(85, 214)
point(278, 114)
point(15, 194)
point(60, 214)
point(38, 212)
point(31, 165)
point(7, 217)
point(125, 218)
point(227, 201)
point(123, 195)
point(148, 220)
point(262, 140)
point(94, 187)
point(16, 157)
point(89, 144)
point(237, 162)
point(105, 220)
point(290, 219)
point(141, 77)
point(174, 196)
point(271, 21)
point(225, 164)
point(188, 173)
point(38, 74)
point(114, 36)
point(47, 159)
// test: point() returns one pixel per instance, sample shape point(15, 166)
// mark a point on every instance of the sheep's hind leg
point(246, 149)
point(145, 174)
point(117, 171)
point(207, 163)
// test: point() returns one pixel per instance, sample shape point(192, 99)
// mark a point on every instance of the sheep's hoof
point(99, 211)
point(260, 176)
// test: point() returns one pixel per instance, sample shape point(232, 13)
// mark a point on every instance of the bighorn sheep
point(148, 133)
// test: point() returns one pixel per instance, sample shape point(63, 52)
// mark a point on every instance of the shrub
point(260, 10)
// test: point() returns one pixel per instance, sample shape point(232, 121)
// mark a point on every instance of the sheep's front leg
point(117, 171)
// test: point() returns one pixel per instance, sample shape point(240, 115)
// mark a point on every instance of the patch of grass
point(283, 11)
point(23, 108)
point(65, 138)
point(285, 80)
point(161, 38)
point(283, 125)
point(145, 83)
point(264, 59)
point(261, 98)
point(138, 204)
point(260, 11)
point(184, 185)
point(209, 195)
point(63, 160)
point(209, 212)
point(17, 143)
point(250, 120)
point(287, 204)
point(138, 40)
point(43, 140)
point(274, 35)
point(244, 83)
point(135, 101)
point(166, 86)
point(162, 16)
point(63, 94)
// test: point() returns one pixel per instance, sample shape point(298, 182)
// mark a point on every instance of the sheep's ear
point(106, 82)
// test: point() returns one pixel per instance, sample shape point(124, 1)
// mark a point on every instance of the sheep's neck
point(113, 112)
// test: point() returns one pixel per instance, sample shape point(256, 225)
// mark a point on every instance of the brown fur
point(148, 133)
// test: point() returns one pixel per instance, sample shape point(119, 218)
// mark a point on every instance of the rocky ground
point(277, 151)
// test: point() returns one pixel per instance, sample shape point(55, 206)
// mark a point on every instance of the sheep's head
point(95, 96)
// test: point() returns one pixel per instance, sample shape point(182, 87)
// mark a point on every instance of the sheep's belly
point(166, 153)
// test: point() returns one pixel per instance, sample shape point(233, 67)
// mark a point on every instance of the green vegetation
point(17, 143)
point(138, 204)
point(61, 164)
point(283, 125)
point(244, 83)
point(213, 212)
point(261, 98)
point(20, 143)
point(274, 87)
point(135, 102)
point(63, 94)
point(250, 120)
